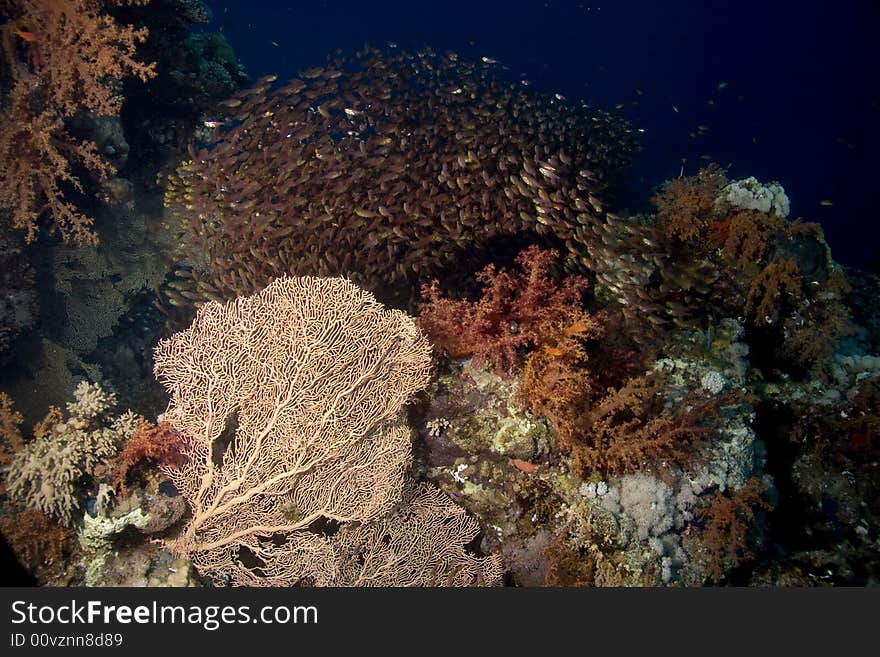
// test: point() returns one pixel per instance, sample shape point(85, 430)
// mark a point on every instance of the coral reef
point(60, 514)
point(683, 397)
point(716, 249)
point(288, 403)
point(479, 411)
point(600, 510)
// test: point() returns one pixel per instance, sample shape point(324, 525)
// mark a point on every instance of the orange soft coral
point(11, 440)
point(748, 238)
point(773, 290)
point(723, 526)
point(556, 383)
point(684, 205)
point(70, 61)
point(39, 158)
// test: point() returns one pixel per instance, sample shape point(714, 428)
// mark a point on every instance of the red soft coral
point(160, 444)
point(519, 310)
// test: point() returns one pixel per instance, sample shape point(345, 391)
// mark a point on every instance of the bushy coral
point(47, 473)
point(61, 58)
point(723, 525)
point(560, 389)
point(41, 544)
point(744, 239)
point(159, 444)
point(11, 438)
point(630, 430)
point(684, 205)
point(519, 311)
point(772, 291)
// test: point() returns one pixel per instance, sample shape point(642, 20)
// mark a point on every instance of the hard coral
point(47, 472)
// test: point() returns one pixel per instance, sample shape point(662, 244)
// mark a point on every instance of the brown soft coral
point(75, 50)
point(748, 237)
point(519, 310)
point(39, 157)
point(62, 58)
point(684, 205)
point(41, 545)
point(724, 525)
point(776, 287)
point(557, 385)
point(629, 430)
point(11, 439)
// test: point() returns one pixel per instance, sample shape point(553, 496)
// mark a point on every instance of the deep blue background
point(801, 103)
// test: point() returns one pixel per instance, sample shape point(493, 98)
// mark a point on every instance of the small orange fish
point(553, 351)
point(524, 466)
point(24, 34)
point(577, 328)
point(826, 202)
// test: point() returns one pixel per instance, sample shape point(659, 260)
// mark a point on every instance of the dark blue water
point(793, 85)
